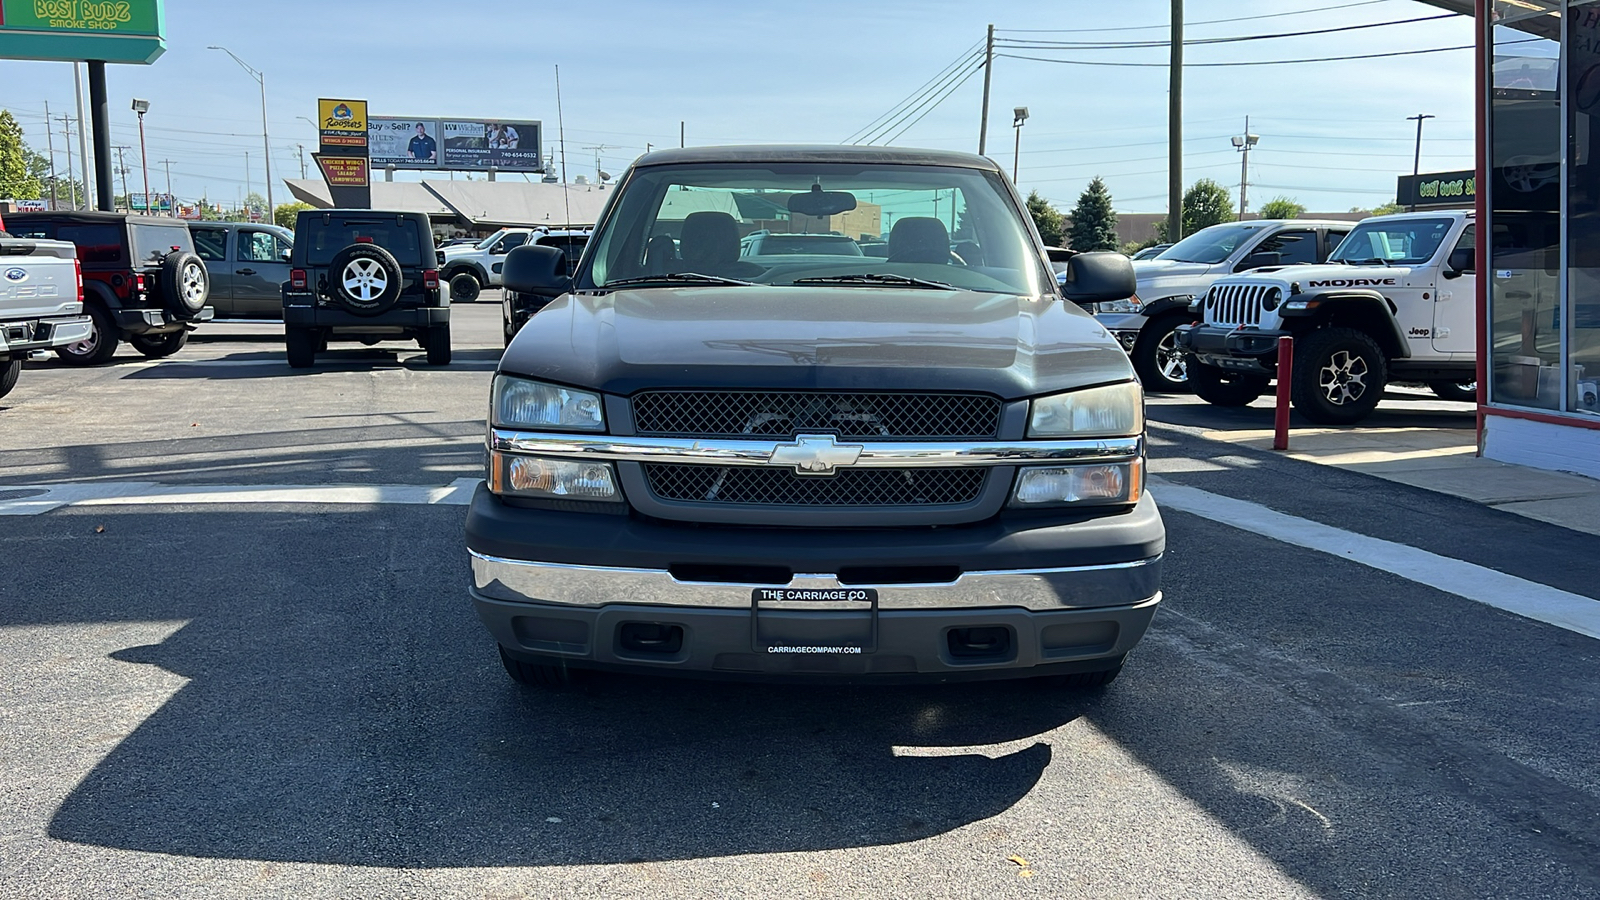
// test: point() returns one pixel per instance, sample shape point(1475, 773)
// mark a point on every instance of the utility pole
point(168, 164)
point(246, 179)
point(1243, 145)
point(599, 175)
point(1175, 128)
point(988, 70)
point(1416, 161)
point(72, 182)
point(122, 169)
point(680, 133)
point(50, 147)
point(302, 148)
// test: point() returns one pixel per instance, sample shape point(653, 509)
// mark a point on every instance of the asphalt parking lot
point(219, 687)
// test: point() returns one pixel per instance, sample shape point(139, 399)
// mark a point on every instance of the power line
point(1298, 12)
point(881, 124)
point(1257, 62)
point(1126, 45)
point(928, 100)
point(931, 107)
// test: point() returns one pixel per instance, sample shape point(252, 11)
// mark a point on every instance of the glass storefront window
point(1583, 208)
point(1525, 196)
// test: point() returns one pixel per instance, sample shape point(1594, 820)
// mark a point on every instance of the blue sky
point(1333, 135)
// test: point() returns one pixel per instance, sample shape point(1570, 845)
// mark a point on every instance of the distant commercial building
point(459, 208)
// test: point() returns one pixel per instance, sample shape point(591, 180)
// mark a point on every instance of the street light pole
point(1018, 116)
point(266, 142)
point(1244, 143)
point(141, 107)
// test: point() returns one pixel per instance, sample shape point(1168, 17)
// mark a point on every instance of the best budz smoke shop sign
point(117, 31)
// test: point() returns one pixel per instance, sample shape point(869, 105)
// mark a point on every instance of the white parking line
point(46, 497)
point(1529, 599)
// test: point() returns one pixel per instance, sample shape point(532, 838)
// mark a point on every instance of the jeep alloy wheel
point(193, 285)
point(365, 279)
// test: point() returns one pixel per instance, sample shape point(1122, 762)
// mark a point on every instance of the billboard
point(404, 143)
point(342, 123)
point(120, 31)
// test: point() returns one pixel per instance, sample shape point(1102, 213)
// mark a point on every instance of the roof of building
point(481, 203)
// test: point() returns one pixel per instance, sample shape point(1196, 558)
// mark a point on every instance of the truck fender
point(1166, 304)
point(1367, 311)
point(455, 269)
point(100, 292)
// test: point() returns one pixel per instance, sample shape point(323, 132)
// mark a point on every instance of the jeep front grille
point(784, 414)
point(767, 486)
point(1236, 304)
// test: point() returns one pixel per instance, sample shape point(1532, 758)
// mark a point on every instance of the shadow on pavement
point(347, 707)
point(1399, 409)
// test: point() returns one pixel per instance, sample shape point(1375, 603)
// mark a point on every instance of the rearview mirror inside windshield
point(820, 203)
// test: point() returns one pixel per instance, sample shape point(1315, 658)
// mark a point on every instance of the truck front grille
point(764, 486)
point(879, 416)
point(1236, 304)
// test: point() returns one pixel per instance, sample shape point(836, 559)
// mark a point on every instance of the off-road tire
point(1455, 391)
point(300, 345)
point(1160, 364)
point(1338, 362)
point(464, 287)
point(539, 675)
point(437, 343)
point(185, 283)
point(156, 346)
point(1221, 387)
point(101, 344)
point(10, 371)
point(375, 263)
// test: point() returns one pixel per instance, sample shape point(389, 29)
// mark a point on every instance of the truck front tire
point(1339, 376)
point(1220, 387)
point(1162, 367)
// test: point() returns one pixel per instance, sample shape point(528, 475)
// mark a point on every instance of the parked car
point(1145, 322)
point(363, 275)
point(925, 465)
point(1396, 303)
point(41, 302)
point(1151, 252)
point(143, 282)
point(515, 308)
point(248, 264)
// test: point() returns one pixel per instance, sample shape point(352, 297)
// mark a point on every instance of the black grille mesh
point(736, 414)
point(762, 486)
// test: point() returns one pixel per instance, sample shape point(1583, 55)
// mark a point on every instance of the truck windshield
point(1408, 242)
point(866, 226)
point(488, 242)
point(1210, 245)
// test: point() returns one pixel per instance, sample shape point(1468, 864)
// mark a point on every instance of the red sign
point(344, 171)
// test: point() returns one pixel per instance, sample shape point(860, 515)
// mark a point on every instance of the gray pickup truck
point(922, 465)
point(41, 302)
point(248, 264)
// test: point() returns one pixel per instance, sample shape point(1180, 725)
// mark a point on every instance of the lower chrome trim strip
point(1078, 587)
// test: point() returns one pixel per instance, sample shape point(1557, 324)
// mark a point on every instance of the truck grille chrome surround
point(752, 486)
point(1236, 304)
point(785, 414)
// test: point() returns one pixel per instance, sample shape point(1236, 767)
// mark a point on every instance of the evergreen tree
point(16, 183)
point(1094, 224)
point(1047, 219)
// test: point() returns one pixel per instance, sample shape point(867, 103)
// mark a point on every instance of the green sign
point(122, 31)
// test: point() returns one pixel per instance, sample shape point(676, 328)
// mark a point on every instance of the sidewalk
point(1443, 460)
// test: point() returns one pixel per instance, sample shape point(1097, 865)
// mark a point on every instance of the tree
point(16, 182)
point(66, 186)
point(1047, 219)
point(1205, 204)
point(1387, 209)
point(1094, 223)
point(1282, 208)
point(286, 213)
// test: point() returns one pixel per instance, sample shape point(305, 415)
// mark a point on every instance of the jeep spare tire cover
point(364, 279)
point(185, 283)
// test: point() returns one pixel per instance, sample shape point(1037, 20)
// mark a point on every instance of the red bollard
point(1280, 415)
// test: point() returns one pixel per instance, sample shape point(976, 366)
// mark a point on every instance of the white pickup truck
point(1396, 302)
point(41, 302)
point(469, 268)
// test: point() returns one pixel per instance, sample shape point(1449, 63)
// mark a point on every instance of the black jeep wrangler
point(142, 281)
point(364, 275)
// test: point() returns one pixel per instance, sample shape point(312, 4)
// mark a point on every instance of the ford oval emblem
point(16, 273)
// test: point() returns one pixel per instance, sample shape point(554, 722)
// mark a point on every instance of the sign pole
point(100, 115)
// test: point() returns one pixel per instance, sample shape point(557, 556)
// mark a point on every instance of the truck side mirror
point(1461, 262)
point(1098, 278)
point(538, 270)
point(1259, 260)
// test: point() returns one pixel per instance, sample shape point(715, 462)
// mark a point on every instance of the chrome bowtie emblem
point(815, 454)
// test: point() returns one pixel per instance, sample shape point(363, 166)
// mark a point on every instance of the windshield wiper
point(677, 278)
point(883, 278)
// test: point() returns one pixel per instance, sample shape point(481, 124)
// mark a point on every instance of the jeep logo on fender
point(1354, 282)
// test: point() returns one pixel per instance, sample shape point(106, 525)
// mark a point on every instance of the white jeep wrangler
point(1396, 302)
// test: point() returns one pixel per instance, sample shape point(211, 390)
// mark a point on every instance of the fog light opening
point(653, 638)
point(987, 642)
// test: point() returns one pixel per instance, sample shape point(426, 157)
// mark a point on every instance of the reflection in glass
point(1583, 208)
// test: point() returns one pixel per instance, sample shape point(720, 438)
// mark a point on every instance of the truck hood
point(1329, 276)
point(816, 337)
point(459, 249)
point(1160, 278)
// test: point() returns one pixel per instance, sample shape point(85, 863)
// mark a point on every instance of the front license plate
point(815, 595)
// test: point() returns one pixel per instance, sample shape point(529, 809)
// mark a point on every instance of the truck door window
point(1334, 238)
point(513, 241)
point(210, 243)
point(257, 246)
point(1291, 246)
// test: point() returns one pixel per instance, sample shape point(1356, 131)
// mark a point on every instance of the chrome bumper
point(42, 334)
point(1081, 587)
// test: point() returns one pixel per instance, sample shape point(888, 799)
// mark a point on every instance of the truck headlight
point(521, 403)
point(1113, 410)
point(1131, 305)
point(552, 479)
point(1093, 485)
